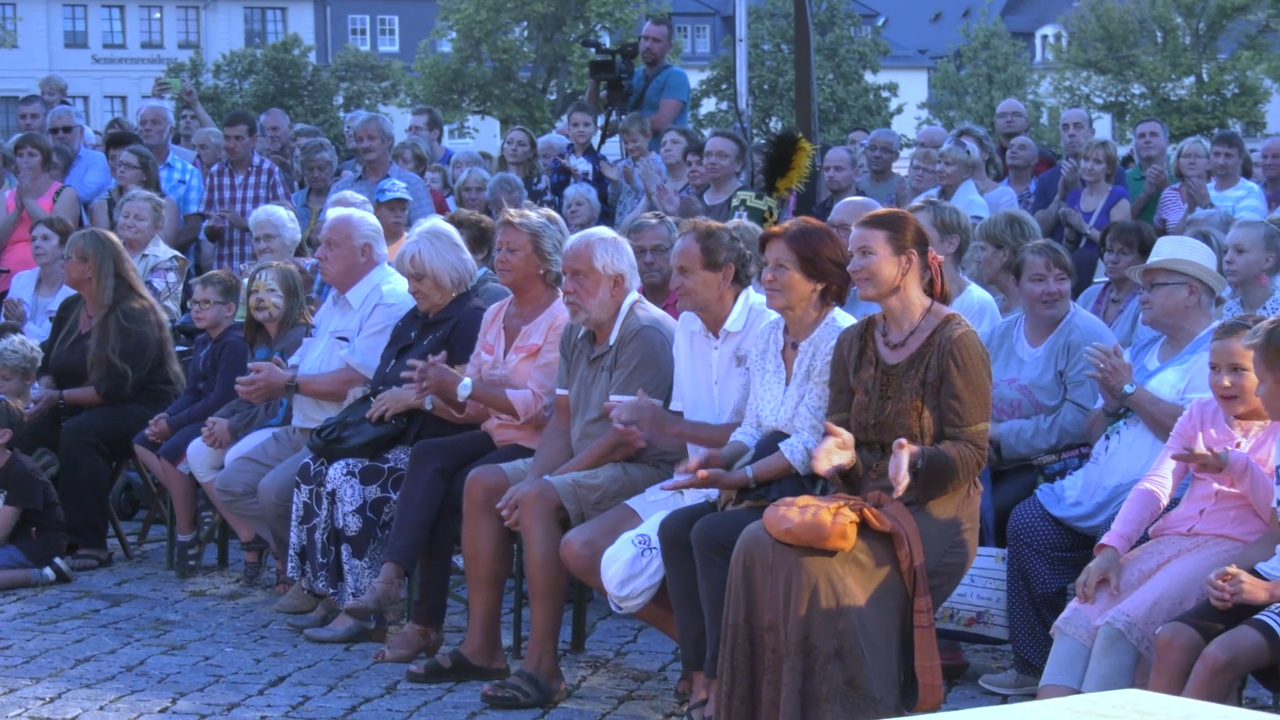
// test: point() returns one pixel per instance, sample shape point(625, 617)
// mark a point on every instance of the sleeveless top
point(16, 256)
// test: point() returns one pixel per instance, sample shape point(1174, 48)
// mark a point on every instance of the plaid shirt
point(181, 181)
point(261, 185)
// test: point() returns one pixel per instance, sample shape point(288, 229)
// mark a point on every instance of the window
point(151, 26)
point(389, 33)
point(263, 26)
point(358, 31)
point(188, 27)
point(8, 116)
point(112, 26)
point(702, 39)
point(113, 106)
point(8, 26)
point(445, 43)
point(75, 26)
point(82, 102)
point(682, 36)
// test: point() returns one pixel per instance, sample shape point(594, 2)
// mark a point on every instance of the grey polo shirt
point(420, 207)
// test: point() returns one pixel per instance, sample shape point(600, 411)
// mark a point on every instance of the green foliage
point(525, 73)
point(989, 66)
point(1195, 64)
point(280, 74)
point(842, 59)
point(367, 80)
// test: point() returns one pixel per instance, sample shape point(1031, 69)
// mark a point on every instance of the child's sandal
point(186, 557)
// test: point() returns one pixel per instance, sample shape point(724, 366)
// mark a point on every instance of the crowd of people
point(366, 358)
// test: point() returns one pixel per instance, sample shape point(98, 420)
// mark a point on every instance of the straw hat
point(1186, 255)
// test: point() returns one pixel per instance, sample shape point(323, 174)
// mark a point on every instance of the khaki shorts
point(589, 493)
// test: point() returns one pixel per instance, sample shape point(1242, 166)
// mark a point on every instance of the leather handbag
point(825, 523)
point(350, 434)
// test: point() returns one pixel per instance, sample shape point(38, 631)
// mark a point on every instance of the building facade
point(112, 52)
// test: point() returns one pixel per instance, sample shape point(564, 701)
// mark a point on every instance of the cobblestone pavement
point(133, 642)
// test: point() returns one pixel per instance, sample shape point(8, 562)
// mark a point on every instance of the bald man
point(1013, 121)
point(844, 215)
point(932, 137)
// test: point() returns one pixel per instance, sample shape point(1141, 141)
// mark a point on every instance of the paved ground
point(133, 642)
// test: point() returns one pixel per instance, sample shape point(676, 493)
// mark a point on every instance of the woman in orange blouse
point(507, 388)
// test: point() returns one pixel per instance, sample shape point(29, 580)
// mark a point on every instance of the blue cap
point(392, 189)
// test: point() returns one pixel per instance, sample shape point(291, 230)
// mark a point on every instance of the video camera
point(614, 70)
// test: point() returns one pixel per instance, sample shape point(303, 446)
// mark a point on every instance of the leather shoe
point(324, 614)
point(297, 601)
point(357, 631)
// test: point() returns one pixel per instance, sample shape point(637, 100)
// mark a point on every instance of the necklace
point(884, 329)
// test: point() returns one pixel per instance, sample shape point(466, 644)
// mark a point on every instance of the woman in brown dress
point(816, 634)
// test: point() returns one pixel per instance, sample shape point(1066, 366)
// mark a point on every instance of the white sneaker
point(1010, 682)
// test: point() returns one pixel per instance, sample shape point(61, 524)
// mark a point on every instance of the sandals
point(83, 560)
point(695, 706)
point(531, 692)
point(409, 643)
point(459, 669)
point(252, 572)
point(684, 688)
point(186, 557)
point(380, 595)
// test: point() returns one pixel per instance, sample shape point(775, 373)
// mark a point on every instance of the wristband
point(751, 477)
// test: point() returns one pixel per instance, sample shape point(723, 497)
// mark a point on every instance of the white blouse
point(23, 289)
point(798, 408)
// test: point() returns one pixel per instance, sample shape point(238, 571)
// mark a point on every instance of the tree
point(1195, 64)
point(366, 80)
point(280, 74)
point(989, 66)
point(525, 73)
point(842, 61)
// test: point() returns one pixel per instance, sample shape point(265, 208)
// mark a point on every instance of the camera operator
point(661, 90)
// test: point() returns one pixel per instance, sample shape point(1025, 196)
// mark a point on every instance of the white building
point(111, 54)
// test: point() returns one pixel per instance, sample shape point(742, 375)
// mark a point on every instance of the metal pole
point(806, 91)
point(742, 93)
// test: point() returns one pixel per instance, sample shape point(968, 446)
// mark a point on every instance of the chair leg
point(117, 477)
point(578, 635)
point(517, 603)
point(160, 505)
point(224, 544)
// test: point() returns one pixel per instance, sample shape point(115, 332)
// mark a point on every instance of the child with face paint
point(277, 321)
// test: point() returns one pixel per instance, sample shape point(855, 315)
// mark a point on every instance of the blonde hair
point(435, 250)
point(1110, 154)
point(1008, 230)
point(150, 199)
point(1195, 141)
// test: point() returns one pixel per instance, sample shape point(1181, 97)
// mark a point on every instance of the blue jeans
point(11, 558)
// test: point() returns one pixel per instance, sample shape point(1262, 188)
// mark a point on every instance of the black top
point(41, 530)
point(145, 377)
point(452, 330)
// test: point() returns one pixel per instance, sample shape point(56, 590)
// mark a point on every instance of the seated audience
point(470, 188)
point(520, 158)
point(580, 163)
point(344, 507)
point(997, 242)
point(998, 196)
point(139, 218)
point(218, 358)
point(907, 416)
point(922, 173)
point(507, 389)
point(317, 161)
point(276, 322)
point(788, 367)
point(950, 233)
point(35, 294)
point(618, 344)
point(1226, 445)
point(20, 359)
point(1144, 391)
point(1230, 190)
point(504, 191)
point(1191, 170)
point(843, 217)
point(351, 329)
point(957, 163)
point(108, 368)
point(391, 207)
point(477, 230)
point(1041, 398)
point(580, 208)
point(1115, 301)
point(39, 194)
point(1250, 263)
point(626, 177)
point(652, 236)
point(33, 535)
point(1090, 209)
point(134, 169)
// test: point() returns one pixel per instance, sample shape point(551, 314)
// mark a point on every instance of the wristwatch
point(464, 389)
point(1127, 392)
point(291, 385)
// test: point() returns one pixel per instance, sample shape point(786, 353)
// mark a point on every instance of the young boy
point(627, 189)
point(33, 534)
point(1204, 652)
point(219, 357)
point(19, 360)
point(581, 162)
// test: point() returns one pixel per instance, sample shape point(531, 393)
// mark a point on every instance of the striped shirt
point(181, 181)
point(261, 185)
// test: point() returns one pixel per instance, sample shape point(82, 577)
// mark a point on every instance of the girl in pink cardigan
point(1227, 445)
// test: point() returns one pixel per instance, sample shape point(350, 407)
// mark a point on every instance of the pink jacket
point(1237, 503)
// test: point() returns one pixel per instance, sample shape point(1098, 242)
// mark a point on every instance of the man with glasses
point(427, 124)
point(844, 216)
point(179, 179)
point(660, 90)
point(652, 235)
point(881, 183)
point(1012, 122)
point(89, 173)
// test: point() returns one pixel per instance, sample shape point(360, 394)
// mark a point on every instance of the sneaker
point(1010, 682)
point(62, 571)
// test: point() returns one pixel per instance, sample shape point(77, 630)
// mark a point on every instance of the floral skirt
point(1159, 580)
point(342, 513)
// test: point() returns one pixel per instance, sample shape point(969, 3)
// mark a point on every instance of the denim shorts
point(11, 558)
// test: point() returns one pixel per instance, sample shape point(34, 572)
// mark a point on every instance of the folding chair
point(578, 627)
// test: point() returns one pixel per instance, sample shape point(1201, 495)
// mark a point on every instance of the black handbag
point(350, 434)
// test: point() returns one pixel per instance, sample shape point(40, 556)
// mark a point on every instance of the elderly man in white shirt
point(711, 277)
point(351, 330)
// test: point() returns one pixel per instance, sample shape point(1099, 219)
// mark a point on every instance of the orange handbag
point(827, 523)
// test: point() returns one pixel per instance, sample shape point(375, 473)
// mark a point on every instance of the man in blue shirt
point(89, 173)
point(660, 91)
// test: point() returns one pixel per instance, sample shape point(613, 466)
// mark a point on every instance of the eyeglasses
point(127, 166)
point(205, 304)
point(844, 230)
point(1148, 289)
point(657, 251)
point(67, 257)
point(61, 129)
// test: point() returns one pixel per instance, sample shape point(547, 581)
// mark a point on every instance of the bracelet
point(751, 477)
point(62, 400)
